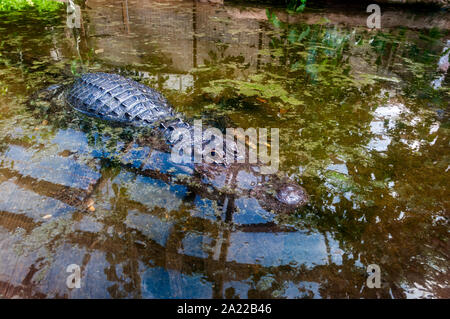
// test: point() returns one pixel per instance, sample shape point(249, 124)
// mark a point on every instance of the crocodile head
point(273, 192)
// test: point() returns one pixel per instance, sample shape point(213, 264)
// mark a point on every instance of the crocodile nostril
point(292, 195)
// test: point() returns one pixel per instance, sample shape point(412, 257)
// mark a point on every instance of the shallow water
point(361, 129)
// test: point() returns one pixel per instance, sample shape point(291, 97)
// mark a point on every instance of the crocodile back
point(116, 98)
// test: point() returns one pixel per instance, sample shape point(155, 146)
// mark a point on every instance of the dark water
point(361, 129)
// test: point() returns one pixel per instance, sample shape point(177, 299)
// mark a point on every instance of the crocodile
point(115, 98)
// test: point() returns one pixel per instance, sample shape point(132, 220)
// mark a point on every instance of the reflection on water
point(362, 129)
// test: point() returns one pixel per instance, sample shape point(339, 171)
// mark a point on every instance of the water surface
point(363, 118)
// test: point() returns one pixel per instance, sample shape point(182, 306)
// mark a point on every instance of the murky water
point(361, 129)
